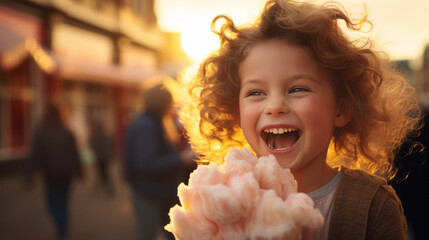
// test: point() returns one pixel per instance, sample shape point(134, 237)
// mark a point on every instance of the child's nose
point(276, 106)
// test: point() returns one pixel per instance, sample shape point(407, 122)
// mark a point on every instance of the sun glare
point(192, 19)
point(199, 42)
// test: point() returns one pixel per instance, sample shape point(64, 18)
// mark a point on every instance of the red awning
point(12, 48)
point(15, 48)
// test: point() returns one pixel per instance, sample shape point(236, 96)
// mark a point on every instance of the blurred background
point(95, 56)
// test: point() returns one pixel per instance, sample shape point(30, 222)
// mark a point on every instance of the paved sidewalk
point(94, 214)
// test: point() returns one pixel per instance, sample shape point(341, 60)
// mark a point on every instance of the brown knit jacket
point(365, 207)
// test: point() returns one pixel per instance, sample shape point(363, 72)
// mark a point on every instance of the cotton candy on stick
point(243, 198)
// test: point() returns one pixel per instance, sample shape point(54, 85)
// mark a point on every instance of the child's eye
point(298, 89)
point(255, 93)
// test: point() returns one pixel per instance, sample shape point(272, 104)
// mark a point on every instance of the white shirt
point(324, 200)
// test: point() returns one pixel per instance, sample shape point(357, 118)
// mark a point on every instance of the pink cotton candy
point(301, 209)
point(243, 198)
point(270, 220)
point(206, 175)
point(190, 225)
point(271, 175)
point(220, 204)
point(246, 189)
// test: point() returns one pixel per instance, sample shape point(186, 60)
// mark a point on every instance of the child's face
point(287, 104)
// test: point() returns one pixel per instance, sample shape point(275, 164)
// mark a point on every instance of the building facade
point(89, 56)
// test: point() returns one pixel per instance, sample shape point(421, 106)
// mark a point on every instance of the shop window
point(97, 105)
point(16, 117)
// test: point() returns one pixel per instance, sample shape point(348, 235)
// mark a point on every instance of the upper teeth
point(279, 130)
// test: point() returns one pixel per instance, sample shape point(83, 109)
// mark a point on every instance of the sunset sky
point(401, 28)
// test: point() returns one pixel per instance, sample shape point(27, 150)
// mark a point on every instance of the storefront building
point(90, 57)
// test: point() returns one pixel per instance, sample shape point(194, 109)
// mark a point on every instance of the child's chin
point(285, 162)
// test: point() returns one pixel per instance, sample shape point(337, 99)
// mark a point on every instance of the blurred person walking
point(153, 165)
point(102, 145)
point(56, 155)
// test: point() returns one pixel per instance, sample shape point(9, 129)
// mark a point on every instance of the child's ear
point(344, 115)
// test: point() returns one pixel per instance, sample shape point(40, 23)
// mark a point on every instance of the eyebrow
point(256, 80)
point(306, 76)
point(251, 81)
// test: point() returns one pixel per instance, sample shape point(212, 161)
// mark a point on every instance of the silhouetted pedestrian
point(102, 146)
point(56, 155)
point(152, 164)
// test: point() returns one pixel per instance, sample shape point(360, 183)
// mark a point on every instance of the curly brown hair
point(384, 107)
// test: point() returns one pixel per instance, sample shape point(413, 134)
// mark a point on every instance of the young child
point(331, 109)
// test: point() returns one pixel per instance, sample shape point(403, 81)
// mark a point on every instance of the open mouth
point(280, 138)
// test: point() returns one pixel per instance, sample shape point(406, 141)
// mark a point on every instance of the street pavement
point(94, 214)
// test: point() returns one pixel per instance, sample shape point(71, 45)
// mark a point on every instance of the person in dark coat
point(55, 154)
point(152, 164)
point(102, 145)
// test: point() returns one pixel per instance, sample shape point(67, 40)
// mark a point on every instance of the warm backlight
point(199, 42)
